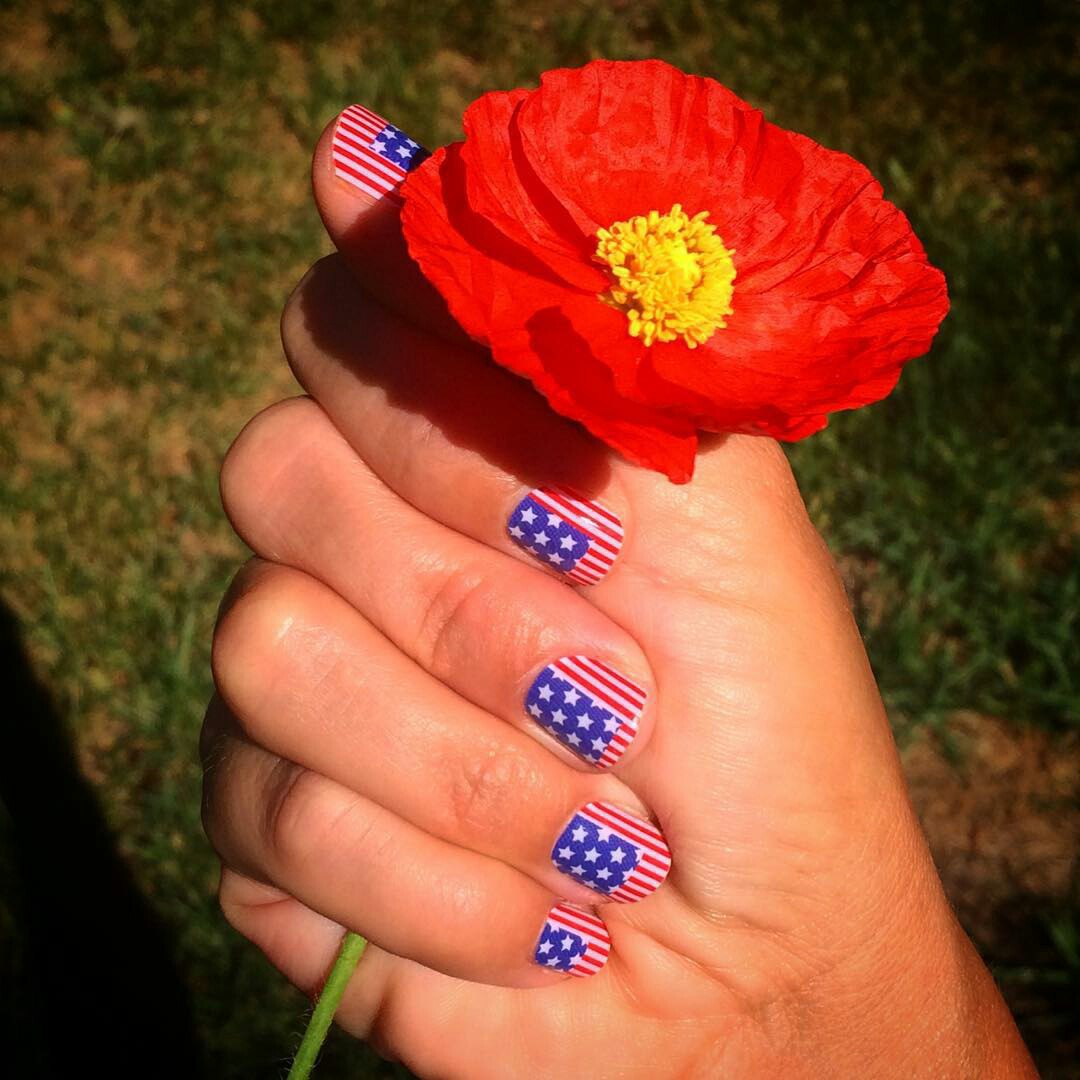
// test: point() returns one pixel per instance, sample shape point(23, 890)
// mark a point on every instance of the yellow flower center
point(671, 274)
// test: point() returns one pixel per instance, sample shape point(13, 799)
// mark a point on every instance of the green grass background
point(154, 214)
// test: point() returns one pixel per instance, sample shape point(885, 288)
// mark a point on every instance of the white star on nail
point(617, 855)
point(534, 710)
point(584, 722)
point(567, 542)
point(403, 151)
point(573, 739)
point(553, 558)
point(545, 948)
point(412, 143)
point(558, 715)
point(541, 538)
point(517, 533)
point(378, 146)
point(566, 853)
point(528, 515)
point(577, 870)
point(604, 874)
point(598, 745)
point(579, 834)
point(603, 832)
point(567, 942)
point(572, 696)
point(592, 855)
point(610, 725)
point(545, 693)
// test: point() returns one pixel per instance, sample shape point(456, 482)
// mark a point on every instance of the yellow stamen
point(671, 275)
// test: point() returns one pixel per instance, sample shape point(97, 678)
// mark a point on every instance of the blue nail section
point(588, 706)
point(572, 941)
point(613, 852)
point(568, 533)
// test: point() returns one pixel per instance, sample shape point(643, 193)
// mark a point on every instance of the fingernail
point(588, 706)
point(613, 852)
point(371, 155)
point(566, 532)
point(572, 941)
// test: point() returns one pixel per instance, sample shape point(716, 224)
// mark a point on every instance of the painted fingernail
point(566, 532)
point(588, 706)
point(371, 155)
point(613, 852)
point(573, 941)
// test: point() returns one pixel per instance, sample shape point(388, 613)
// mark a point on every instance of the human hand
point(372, 764)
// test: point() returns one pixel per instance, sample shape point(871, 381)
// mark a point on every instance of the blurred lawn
point(155, 213)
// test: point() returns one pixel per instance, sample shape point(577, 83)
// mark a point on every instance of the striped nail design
point(613, 852)
point(566, 532)
point(573, 941)
point(588, 706)
point(372, 155)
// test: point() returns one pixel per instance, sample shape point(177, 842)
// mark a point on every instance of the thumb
point(360, 163)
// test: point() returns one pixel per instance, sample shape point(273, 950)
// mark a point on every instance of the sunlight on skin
point(803, 930)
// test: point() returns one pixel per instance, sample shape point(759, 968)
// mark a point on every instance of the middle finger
point(312, 681)
point(508, 638)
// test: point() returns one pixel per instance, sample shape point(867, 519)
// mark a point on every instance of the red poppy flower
point(659, 259)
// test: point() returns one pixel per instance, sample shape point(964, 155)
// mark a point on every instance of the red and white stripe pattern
point(565, 920)
point(371, 154)
point(624, 699)
point(654, 856)
point(601, 527)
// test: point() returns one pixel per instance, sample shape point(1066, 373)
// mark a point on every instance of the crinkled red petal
point(507, 301)
point(833, 291)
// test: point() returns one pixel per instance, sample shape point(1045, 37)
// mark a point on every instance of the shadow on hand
point(477, 405)
point(95, 984)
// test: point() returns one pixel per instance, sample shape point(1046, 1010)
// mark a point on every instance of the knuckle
point(467, 600)
point(487, 791)
point(297, 816)
point(248, 633)
point(310, 818)
point(262, 451)
point(453, 606)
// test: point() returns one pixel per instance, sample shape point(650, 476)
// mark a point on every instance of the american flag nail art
point(373, 155)
point(613, 852)
point(588, 706)
point(575, 536)
point(573, 941)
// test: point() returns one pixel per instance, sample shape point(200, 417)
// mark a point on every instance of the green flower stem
point(352, 948)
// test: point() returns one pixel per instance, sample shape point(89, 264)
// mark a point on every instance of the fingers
point(455, 435)
point(359, 165)
point(513, 642)
point(314, 683)
point(362, 867)
point(299, 942)
point(478, 450)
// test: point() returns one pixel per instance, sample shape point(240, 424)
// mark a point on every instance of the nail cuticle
point(613, 852)
point(572, 941)
point(588, 706)
point(371, 155)
point(568, 533)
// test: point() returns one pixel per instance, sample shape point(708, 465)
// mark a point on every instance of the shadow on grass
point(94, 983)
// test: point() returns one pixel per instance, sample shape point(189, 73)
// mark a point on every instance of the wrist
point(911, 997)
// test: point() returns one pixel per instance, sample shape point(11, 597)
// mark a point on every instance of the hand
point(372, 762)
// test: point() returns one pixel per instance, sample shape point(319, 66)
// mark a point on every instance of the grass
point(155, 212)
